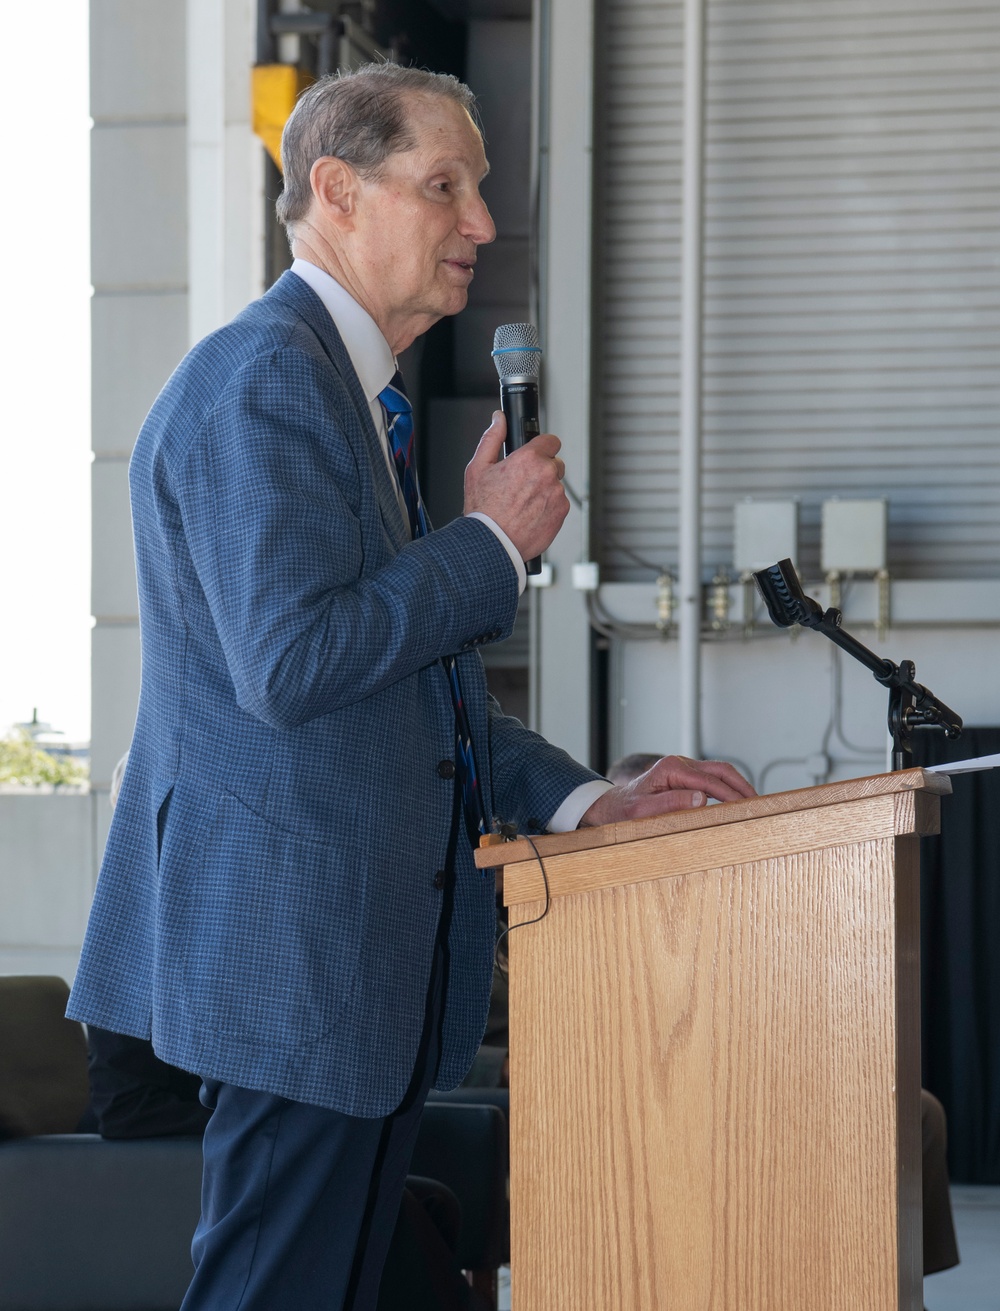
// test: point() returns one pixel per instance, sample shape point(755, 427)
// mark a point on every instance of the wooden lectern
point(715, 1056)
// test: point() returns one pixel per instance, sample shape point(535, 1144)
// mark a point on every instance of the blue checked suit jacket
point(267, 905)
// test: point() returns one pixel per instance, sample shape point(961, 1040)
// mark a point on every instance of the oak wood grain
point(715, 1072)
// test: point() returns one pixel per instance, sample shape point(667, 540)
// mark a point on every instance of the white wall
point(48, 867)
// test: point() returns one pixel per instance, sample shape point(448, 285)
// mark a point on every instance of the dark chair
point(43, 1058)
point(87, 1223)
point(465, 1145)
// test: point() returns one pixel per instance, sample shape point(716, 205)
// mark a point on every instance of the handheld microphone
point(518, 359)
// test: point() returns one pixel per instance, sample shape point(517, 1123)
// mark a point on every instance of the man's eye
point(442, 186)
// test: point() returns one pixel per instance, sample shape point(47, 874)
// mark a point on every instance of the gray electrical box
point(763, 533)
point(853, 536)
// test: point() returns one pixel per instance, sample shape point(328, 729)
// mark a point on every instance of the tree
point(21, 761)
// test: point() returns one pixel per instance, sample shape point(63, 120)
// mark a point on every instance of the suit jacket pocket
point(274, 923)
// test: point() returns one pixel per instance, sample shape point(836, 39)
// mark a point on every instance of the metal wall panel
point(852, 273)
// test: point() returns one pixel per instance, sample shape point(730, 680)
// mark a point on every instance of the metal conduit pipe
point(690, 491)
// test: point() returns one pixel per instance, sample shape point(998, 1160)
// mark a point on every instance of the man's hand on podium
point(673, 783)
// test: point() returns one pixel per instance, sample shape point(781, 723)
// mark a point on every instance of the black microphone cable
point(524, 923)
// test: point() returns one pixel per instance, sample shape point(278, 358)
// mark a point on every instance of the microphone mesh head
point(516, 351)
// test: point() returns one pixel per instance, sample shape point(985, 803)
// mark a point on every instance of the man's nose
point(477, 224)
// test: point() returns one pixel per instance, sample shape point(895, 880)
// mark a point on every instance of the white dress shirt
point(375, 366)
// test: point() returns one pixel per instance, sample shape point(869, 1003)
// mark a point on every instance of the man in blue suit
point(288, 904)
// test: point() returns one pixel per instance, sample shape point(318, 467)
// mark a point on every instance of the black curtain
point(960, 956)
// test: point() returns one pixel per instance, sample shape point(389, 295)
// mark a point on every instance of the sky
point(45, 372)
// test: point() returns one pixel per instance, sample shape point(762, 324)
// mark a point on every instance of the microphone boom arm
point(911, 705)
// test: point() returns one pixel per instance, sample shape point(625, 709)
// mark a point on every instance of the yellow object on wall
point(275, 89)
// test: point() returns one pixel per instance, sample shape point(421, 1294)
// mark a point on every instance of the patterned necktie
point(399, 423)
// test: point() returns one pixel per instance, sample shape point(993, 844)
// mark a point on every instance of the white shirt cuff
point(509, 547)
point(576, 805)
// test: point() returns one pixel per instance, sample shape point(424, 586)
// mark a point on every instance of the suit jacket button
point(446, 769)
point(439, 879)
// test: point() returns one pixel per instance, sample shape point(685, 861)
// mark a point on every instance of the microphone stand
point(911, 705)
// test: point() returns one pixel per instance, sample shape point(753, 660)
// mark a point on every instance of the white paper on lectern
point(964, 766)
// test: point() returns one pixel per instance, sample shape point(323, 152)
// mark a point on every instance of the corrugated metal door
point(852, 273)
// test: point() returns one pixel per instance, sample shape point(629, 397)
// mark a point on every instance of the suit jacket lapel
point(311, 309)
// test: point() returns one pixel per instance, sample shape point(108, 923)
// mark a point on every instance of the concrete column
point(177, 249)
point(225, 174)
point(563, 634)
point(139, 315)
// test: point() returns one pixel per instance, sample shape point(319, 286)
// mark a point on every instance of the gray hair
point(360, 117)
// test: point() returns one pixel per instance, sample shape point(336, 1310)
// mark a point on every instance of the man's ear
point(335, 186)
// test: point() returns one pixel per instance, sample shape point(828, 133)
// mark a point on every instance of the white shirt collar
point(370, 353)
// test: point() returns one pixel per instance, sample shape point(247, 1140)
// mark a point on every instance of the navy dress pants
point(299, 1202)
